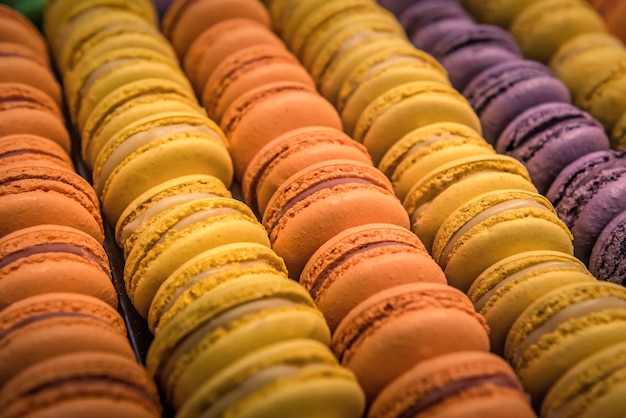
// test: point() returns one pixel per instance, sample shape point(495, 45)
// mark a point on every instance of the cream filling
point(488, 295)
point(571, 312)
point(195, 218)
point(212, 324)
point(96, 74)
point(157, 208)
point(374, 69)
point(251, 385)
point(483, 216)
point(134, 142)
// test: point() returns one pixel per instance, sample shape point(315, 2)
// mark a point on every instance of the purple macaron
point(398, 6)
point(469, 50)
point(548, 137)
point(500, 93)
point(426, 37)
point(608, 260)
point(588, 194)
point(428, 12)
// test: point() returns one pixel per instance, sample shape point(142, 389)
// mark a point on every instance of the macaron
point(409, 106)
point(497, 12)
point(246, 69)
point(427, 36)
point(52, 324)
point(563, 328)
point(53, 258)
point(548, 137)
point(20, 64)
point(268, 111)
point(132, 161)
point(396, 323)
point(207, 270)
point(584, 55)
point(613, 13)
point(291, 152)
point(27, 149)
point(382, 71)
point(338, 194)
point(505, 289)
point(162, 197)
point(423, 13)
point(493, 226)
point(186, 19)
point(594, 386)
point(87, 383)
point(16, 28)
point(181, 233)
point(427, 148)
point(502, 92)
point(364, 260)
point(542, 27)
point(39, 194)
point(231, 321)
point(461, 384)
point(618, 133)
point(606, 261)
point(220, 40)
point(432, 199)
point(305, 380)
point(127, 104)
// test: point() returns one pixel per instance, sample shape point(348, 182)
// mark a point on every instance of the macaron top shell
point(25, 148)
point(16, 28)
point(606, 261)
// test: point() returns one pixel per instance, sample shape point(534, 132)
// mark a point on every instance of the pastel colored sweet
point(127, 104)
point(592, 387)
point(53, 258)
point(588, 194)
point(493, 226)
point(34, 195)
point(539, 344)
point(246, 69)
point(579, 58)
point(186, 19)
point(92, 80)
point(208, 270)
point(427, 148)
point(407, 107)
point(308, 42)
point(338, 194)
point(505, 289)
point(268, 111)
point(162, 197)
point(132, 161)
point(432, 199)
point(548, 137)
point(26, 149)
point(613, 14)
point(382, 71)
point(217, 42)
point(291, 152)
point(503, 91)
point(602, 95)
point(618, 134)
point(426, 37)
point(606, 261)
point(162, 6)
point(426, 12)
point(432, 312)
point(181, 233)
point(467, 53)
point(364, 260)
point(542, 27)
point(52, 324)
point(244, 315)
point(18, 29)
point(398, 6)
point(306, 381)
point(468, 384)
point(117, 385)
point(497, 12)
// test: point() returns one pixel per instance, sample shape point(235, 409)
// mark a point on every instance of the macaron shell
point(606, 261)
point(27, 149)
point(16, 28)
point(499, 13)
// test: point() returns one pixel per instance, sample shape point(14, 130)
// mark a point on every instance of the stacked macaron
point(232, 335)
point(59, 321)
point(613, 13)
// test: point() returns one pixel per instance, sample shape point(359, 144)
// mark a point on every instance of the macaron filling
point(197, 217)
point(574, 311)
point(42, 316)
point(222, 320)
point(57, 247)
point(483, 216)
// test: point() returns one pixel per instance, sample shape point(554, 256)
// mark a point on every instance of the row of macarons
point(198, 264)
point(59, 317)
point(482, 246)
